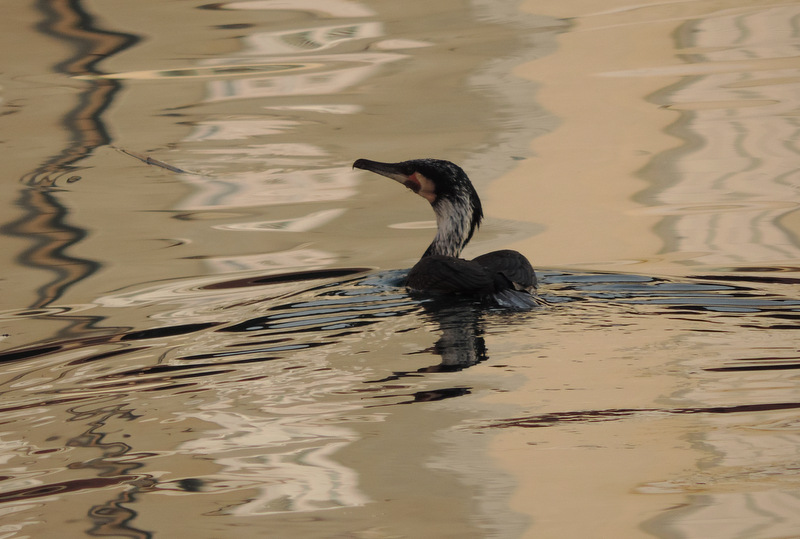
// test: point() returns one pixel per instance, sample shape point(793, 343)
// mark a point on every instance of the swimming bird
point(505, 276)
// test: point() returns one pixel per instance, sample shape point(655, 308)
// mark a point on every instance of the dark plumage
point(505, 275)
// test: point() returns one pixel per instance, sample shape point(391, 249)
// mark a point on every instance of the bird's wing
point(449, 275)
point(511, 265)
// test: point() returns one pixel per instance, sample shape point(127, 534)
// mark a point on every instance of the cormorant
point(506, 276)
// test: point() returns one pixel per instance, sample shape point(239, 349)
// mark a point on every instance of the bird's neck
point(455, 223)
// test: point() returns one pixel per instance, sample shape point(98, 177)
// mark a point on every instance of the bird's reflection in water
point(461, 344)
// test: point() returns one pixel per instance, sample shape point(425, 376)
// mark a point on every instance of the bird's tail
point(516, 300)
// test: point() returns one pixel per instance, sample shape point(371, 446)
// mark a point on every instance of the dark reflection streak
point(26, 353)
point(67, 20)
point(338, 308)
point(748, 278)
point(285, 348)
point(744, 368)
point(63, 487)
point(309, 325)
point(62, 346)
point(589, 416)
point(772, 326)
point(45, 226)
point(44, 222)
point(173, 388)
point(261, 343)
point(111, 518)
point(431, 395)
point(39, 404)
point(167, 331)
point(105, 355)
point(162, 381)
point(783, 316)
point(155, 369)
point(290, 277)
point(72, 344)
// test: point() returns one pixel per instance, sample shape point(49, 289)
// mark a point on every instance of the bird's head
point(449, 191)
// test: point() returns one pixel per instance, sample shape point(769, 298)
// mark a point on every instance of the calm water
point(202, 328)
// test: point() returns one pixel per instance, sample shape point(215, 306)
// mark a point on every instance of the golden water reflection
point(204, 344)
point(741, 144)
point(712, 178)
point(715, 184)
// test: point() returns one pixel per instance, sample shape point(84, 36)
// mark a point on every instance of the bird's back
point(449, 275)
point(487, 274)
point(509, 269)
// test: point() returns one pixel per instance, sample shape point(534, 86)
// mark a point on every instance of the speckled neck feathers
point(457, 217)
point(457, 206)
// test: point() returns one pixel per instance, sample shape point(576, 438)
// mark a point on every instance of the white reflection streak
point(239, 129)
point(305, 479)
point(297, 224)
point(308, 39)
point(269, 188)
point(353, 69)
point(299, 259)
point(290, 463)
point(331, 8)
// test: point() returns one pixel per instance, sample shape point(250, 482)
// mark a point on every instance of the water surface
point(204, 328)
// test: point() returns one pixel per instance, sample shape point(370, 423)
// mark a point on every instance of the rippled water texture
point(204, 328)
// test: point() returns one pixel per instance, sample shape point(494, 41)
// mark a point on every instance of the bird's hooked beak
point(401, 173)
